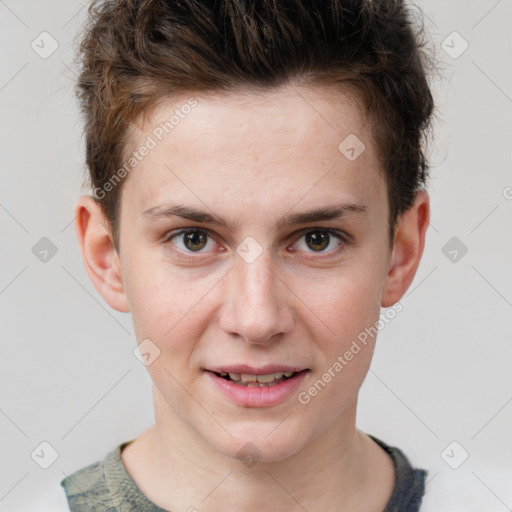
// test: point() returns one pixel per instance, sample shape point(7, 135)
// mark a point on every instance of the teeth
point(257, 380)
point(267, 378)
point(248, 378)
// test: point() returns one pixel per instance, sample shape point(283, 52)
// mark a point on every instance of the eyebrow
point(202, 216)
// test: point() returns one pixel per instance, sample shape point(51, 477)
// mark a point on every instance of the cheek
point(346, 350)
point(167, 305)
point(346, 305)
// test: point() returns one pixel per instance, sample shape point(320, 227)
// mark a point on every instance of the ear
point(408, 245)
point(98, 253)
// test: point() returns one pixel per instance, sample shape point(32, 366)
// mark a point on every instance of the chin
point(252, 446)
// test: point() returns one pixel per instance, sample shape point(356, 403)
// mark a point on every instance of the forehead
point(297, 112)
point(255, 146)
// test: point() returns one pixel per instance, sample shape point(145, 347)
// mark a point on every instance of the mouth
point(257, 380)
point(257, 387)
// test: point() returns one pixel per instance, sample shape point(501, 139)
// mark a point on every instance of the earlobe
point(408, 245)
point(100, 258)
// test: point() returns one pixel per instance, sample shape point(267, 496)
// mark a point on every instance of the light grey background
point(442, 371)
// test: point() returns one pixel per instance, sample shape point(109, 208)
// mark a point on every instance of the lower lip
point(255, 396)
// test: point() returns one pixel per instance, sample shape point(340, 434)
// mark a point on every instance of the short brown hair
point(135, 53)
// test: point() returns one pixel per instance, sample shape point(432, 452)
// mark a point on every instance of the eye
point(190, 240)
point(319, 240)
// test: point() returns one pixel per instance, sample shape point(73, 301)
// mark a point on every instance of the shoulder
point(88, 485)
point(85, 483)
point(98, 486)
point(85, 489)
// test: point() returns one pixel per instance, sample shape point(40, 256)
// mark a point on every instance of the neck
point(178, 470)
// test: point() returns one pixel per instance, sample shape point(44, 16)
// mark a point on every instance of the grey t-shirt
point(106, 486)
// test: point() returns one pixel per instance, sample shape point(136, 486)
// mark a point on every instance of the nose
point(258, 304)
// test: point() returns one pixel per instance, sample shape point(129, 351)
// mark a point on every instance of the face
point(252, 285)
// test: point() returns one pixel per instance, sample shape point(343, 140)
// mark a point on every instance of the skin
point(254, 158)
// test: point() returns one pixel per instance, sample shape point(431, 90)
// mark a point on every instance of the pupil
point(318, 240)
point(195, 237)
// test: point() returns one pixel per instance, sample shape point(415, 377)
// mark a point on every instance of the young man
point(258, 195)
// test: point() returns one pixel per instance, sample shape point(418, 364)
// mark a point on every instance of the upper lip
point(251, 370)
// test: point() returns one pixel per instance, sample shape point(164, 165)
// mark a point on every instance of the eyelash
point(344, 240)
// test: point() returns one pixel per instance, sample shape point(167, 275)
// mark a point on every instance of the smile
point(248, 380)
point(257, 389)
